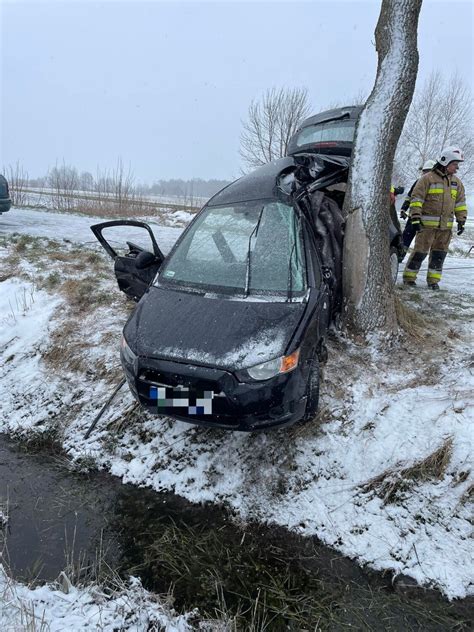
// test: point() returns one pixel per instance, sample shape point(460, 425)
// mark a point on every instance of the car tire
point(394, 264)
point(312, 390)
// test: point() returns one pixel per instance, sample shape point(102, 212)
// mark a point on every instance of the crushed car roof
point(268, 181)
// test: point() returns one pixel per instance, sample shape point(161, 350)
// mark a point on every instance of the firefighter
point(409, 232)
point(437, 198)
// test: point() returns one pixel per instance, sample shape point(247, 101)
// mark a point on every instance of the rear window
point(333, 131)
point(3, 187)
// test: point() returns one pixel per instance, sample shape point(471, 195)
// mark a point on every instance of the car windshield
point(249, 247)
point(332, 131)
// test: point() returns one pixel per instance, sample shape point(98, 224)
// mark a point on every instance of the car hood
point(218, 332)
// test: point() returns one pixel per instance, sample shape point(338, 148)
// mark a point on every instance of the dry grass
point(468, 496)
point(83, 295)
point(391, 483)
point(49, 440)
point(411, 321)
point(64, 353)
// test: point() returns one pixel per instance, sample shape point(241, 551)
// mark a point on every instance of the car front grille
point(197, 386)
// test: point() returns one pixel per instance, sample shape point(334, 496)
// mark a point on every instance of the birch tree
point(369, 305)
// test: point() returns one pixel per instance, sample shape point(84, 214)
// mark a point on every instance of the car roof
point(267, 183)
point(348, 112)
point(257, 185)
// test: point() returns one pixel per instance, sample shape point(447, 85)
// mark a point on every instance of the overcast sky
point(166, 85)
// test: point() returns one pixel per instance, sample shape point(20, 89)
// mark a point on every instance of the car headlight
point(127, 354)
point(266, 370)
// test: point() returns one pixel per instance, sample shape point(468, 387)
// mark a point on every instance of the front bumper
point(235, 405)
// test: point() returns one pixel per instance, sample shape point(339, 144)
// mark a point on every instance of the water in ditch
point(87, 523)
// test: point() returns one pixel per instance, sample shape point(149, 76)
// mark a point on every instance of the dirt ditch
point(88, 524)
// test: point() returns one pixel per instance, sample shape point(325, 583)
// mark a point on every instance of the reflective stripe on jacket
point(436, 198)
point(407, 200)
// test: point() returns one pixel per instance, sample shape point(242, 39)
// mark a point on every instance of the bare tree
point(122, 182)
point(441, 114)
point(18, 180)
point(64, 181)
point(369, 304)
point(86, 181)
point(270, 125)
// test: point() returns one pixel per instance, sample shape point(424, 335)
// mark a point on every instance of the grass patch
point(49, 440)
point(468, 496)
point(262, 579)
point(390, 484)
point(83, 294)
point(23, 242)
point(411, 321)
point(51, 281)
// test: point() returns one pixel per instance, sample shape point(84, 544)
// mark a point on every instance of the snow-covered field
point(383, 474)
point(76, 228)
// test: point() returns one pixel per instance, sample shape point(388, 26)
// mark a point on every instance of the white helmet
point(449, 154)
point(428, 165)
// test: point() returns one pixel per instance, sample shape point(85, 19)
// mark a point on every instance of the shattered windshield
point(249, 247)
point(332, 131)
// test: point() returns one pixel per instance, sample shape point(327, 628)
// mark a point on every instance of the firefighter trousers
point(434, 241)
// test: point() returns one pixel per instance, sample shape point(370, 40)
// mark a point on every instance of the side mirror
point(399, 190)
point(145, 259)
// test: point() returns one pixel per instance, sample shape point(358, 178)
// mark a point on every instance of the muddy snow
point(382, 474)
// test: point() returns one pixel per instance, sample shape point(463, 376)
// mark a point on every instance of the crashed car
point(332, 133)
point(230, 326)
point(5, 200)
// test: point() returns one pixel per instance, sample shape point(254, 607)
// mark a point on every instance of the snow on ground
point(75, 609)
point(75, 227)
point(25, 315)
point(358, 477)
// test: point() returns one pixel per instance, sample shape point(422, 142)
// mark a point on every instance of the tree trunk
point(369, 305)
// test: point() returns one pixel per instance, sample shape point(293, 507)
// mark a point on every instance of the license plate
point(182, 399)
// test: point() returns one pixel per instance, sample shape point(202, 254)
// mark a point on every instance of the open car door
point(137, 257)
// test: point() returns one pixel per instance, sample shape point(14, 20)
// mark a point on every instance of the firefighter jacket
point(436, 198)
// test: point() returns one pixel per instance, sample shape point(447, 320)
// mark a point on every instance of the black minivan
point(230, 327)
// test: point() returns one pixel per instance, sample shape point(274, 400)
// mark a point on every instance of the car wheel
point(394, 264)
point(312, 390)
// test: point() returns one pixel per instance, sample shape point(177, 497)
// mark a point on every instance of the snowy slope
point(381, 417)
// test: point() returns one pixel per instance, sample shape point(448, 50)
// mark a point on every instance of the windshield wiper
point(293, 251)
point(252, 234)
point(289, 284)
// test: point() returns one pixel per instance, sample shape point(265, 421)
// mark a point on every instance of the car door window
point(120, 238)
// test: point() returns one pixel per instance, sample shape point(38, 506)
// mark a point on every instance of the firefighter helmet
point(428, 165)
point(450, 154)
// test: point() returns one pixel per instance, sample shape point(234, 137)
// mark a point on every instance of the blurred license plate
point(182, 399)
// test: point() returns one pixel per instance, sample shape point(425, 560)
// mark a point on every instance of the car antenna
point(104, 408)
